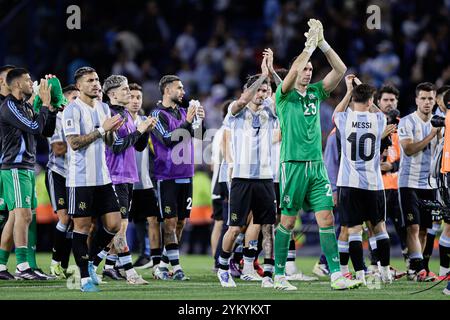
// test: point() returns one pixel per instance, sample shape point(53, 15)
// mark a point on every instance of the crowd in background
point(213, 45)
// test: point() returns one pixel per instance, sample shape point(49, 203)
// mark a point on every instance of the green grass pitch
point(205, 285)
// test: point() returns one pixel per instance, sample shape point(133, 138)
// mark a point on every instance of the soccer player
point(86, 122)
point(144, 204)
point(418, 139)
point(387, 100)
point(55, 181)
point(174, 169)
point(18, 126)
point(121, 162)
point(4, 213)
point(304, 180)
point(361, 194)
point(252, 123)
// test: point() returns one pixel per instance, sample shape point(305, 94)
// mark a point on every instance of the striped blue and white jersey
point(223, 170)
point(360, 135)
point(216, 157)
point(276, 148)
point(55, 163)
point(414, 170)
point(143, 163)
point(251, 137)
point(86, 166)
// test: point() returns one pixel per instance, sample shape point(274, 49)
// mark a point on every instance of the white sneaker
point(300, 277)
point(250, 275)
point(226, 280)
point(386, 275)
point(291, 268)
point(321, 270)
point(342, 283)
point(267, 282)
point(136, 279)
point(281, 283)
point(446, 291)
point(361, 276)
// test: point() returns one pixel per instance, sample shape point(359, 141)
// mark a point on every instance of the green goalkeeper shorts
point(2, 198)
point(19, 187)
point(304, 185)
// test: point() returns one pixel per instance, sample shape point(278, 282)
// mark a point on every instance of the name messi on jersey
point(361, 125)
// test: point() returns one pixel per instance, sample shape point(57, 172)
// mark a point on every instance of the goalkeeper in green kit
point(304, 182)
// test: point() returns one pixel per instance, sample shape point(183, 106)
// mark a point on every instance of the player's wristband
point(310, 50)
point(102, 131)
point(324, 46)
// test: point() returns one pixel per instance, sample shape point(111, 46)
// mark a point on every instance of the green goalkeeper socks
point(282, 238)
point(32, 233)
point(4, 256)
point(21, 255)
point(329, 246)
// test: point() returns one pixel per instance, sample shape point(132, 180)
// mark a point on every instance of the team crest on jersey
point(69, 123)
point(167, 210)
point(28, 199)
point(82, 206)
point(61, 201)
point(233, 217)
point(311, 96)
point(286, 199)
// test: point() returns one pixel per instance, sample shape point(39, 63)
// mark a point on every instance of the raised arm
point(275, 76)
point(333, 78)
point(250, 92)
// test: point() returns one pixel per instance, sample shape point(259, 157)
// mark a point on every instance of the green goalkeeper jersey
point(299, 118)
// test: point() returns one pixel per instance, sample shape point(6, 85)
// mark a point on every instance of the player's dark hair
point(442, 90)
point(363, 92)
point(446, 98)
point(252, 79)
point(6, 67)
point(135, 86)
point(292, 62)
point(388, 89)
point(425, 86)
point(166, 80)
point(225, 105)
point(82, 71)
point(14, 74)
point(70, 88)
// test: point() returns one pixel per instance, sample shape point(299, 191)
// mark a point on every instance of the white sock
point(130, 272)
point(344, 269)
point(23, 266)
point(3, 267)
point(162, 264)
point(176, 268)
point(84, 281)
point(443, 271)
point(53, 263)
point(248, 265)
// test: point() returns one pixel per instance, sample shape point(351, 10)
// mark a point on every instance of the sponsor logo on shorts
point(28, 200)
point(286, 199)
point(2, 202)
point(123, 210)
point(410, 217)
point(167, 210)
point(82, 206)
point(233, 216)
point(61, 201)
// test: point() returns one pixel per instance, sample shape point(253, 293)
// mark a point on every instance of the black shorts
point(359, 205)
point(175, 198)
point(144, 204)
point(124, 192)
point(256, 195)
point(92, 201)
point(56, 188)
point(392, 205)
point(276, 186)
point(220, 195)
point(411, 208)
